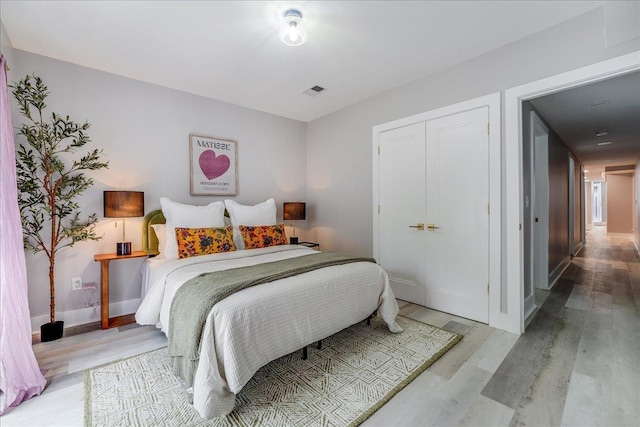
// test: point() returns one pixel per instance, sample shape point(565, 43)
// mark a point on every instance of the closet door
point(457, 200)
point(402, 209)
point(433, 236)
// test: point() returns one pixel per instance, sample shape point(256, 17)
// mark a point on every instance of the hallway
point(578, 363)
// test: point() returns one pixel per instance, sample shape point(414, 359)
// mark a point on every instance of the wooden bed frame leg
point(320, 345)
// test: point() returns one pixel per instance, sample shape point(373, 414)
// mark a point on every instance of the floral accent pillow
point(204, 241)
point(262, 236)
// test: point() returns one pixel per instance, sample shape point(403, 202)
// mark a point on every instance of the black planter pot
point(51, 331)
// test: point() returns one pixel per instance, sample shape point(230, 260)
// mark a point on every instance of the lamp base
point(123, 248)
point(293, 240)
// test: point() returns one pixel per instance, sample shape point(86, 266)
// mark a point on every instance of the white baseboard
point(557, 272)
point(530, 305)
point(82, 316)
point(621, 235)
point(577, 248)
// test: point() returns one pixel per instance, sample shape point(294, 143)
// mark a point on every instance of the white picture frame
point(213, 166)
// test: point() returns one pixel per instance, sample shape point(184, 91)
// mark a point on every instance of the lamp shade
point(123, 204)
point(294, 211)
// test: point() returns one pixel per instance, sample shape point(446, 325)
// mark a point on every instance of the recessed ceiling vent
point(314, 91)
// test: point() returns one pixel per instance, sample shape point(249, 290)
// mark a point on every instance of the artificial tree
point(50, 180)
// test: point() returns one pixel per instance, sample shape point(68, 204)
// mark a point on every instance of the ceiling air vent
point(314, 91)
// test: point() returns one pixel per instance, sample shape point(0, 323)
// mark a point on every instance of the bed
point(256, 325)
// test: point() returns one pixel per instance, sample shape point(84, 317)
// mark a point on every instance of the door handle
point(432, 227)
point(419, 226)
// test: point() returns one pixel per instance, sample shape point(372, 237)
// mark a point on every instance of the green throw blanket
point(193, 300)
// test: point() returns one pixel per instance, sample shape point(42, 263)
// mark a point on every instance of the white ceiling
point(612, 105)
point(230, 51)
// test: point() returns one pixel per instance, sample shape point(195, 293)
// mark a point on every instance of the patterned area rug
point(352, 376)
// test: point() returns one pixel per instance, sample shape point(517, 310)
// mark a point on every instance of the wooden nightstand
point(104, 259)
point(314, 245)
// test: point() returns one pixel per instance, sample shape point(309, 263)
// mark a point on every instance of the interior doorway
point(598, 201)
point(513, 189)
point(540, 225)
point(572, 204)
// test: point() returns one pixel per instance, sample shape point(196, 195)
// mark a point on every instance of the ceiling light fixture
point(602, 132)
point(293, 31)
point(605, 143)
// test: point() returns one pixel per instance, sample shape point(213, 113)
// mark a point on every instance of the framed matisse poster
point(213, 166)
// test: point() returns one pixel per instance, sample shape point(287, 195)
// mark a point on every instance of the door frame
point(540, 200)
point(583, 213)
point(572, 204)
point(600, 186)
point(497, 303)
point(514, 316)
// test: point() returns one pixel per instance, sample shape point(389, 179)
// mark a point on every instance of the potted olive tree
point(49, 182)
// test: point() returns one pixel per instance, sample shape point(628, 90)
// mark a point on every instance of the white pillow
point(161, 234)
point(188, 216)
point(261, 214)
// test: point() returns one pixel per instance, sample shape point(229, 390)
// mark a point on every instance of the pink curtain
point(20, 376)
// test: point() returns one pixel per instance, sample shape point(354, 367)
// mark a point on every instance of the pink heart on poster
point(213, 166)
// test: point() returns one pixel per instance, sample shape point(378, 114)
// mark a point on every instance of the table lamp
point(292, 212)
point(123, 204)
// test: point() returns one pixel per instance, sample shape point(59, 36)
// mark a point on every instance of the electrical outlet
point(76, 283)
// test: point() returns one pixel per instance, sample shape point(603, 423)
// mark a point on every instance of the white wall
point(339, 144)
point(144, 132)
point(5, 45)
point(7, 50)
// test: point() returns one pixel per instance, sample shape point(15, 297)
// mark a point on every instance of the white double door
point(434, 212)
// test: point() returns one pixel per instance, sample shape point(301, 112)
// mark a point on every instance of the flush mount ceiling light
point(293, 32)
point(602, 132)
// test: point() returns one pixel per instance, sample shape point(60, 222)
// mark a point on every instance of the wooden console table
point(104, 259)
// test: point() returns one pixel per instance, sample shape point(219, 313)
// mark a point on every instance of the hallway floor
point(578, 363)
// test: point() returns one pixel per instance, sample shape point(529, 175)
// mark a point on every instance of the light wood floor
point(578, 364)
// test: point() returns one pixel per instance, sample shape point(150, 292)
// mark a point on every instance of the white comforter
point(252, 327)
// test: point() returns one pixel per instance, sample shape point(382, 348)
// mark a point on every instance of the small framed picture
point(213, 166)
